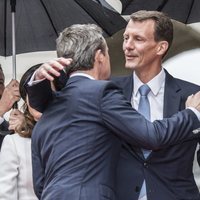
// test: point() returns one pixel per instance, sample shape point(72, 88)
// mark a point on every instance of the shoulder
point(107, 85)
point(15, 140)
point(187, 84)
point(187, 88)
point(183, 84)
point(184, 87)
point(121, 79)
point(124, 82)
point(96, 86)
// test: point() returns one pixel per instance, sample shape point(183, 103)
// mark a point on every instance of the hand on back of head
point(51, 69)
point(9, 97)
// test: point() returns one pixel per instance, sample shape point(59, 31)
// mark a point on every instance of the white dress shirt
point(16, 169)
point(155, 96)
point(1, 120)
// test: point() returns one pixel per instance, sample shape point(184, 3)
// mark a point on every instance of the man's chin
point(129, 66)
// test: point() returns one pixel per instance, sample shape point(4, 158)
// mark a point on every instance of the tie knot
point(144, 90)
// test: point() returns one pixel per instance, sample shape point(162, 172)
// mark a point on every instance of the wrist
point(4, 107)
point(2, 111)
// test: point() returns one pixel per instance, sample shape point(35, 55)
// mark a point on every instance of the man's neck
point(82, 73)
point(91, 73)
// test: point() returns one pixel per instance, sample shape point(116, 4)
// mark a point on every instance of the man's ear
point(99, 56)
point(162, 47)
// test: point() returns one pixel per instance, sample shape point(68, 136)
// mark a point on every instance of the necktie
point(144, 109)
point(144, 106)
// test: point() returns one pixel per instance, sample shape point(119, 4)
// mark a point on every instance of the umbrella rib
point(49, 17)
point(124, 7)
point(102, 8)
point(92, 16)
point(162, 5)
point(190, 10)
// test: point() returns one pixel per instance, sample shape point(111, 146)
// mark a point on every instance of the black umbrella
point(38, 22)
point(186, 11)
point(34, 25)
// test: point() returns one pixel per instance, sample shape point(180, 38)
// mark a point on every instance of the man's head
point(86, 46)
point(2, 81)
point(147, 38)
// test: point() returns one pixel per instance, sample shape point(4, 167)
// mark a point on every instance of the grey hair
point(80, 42)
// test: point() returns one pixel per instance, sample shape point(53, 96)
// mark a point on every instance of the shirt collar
point(82, 74)
point(155, 84)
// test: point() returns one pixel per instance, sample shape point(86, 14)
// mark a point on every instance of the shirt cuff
point(196, 112)
point(32, 81)
point(1, 120)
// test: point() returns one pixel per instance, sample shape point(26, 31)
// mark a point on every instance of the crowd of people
point(84, 135)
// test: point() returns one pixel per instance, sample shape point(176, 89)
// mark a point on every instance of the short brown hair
point(163, 24)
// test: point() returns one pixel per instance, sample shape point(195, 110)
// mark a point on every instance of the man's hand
point(9, 97)
point(16, 119)
point(194, 101)
point(50, 69)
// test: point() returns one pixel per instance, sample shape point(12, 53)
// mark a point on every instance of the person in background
point(165, 173)
point(15, 156)
point(9, 94)
point(77, 141)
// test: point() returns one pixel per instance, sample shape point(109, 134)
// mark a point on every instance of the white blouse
point(16, 169)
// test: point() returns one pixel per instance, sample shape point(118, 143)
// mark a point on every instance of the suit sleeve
point(119, 116)
point(38, 170)
point(9, 163)
point(4, 131)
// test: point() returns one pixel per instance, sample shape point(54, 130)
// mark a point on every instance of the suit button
point(137, 188)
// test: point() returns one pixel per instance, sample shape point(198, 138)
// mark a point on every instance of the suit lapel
point(126, 83)
point(172, 96)
point(172, 101)
point(127, 86)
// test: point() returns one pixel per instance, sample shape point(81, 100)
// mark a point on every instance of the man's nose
point(129, 44)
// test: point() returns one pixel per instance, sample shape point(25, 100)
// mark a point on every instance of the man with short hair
point(164, 174)
point(77, 142)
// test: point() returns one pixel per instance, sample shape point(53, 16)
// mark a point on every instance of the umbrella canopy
point(185, 11)
point(38, 22)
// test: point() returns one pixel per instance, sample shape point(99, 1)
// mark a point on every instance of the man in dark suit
point(77, 142)
point(8, 96)
point(166, 173)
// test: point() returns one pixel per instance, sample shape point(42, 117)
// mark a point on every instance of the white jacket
point(16, 169)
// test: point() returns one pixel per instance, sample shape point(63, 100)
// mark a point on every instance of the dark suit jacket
point(76, 143)
point(168, 172)
point(4, 131)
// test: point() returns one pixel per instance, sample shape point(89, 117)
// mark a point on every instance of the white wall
point(185, 66)
point(23, 62)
